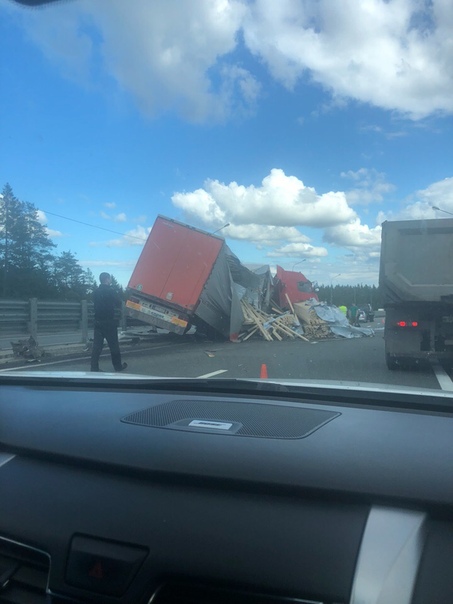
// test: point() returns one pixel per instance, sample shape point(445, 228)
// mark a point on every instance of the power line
point(93, 226)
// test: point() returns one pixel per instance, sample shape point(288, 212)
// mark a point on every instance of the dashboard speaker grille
point(233, 418)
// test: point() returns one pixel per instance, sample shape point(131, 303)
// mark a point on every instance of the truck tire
point(391, 362)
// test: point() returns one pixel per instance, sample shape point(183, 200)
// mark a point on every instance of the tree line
point(30, 268)
point(347, 294)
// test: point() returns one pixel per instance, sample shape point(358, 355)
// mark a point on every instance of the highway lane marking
point(33, 365)
point(442, 377)
point(213, 373)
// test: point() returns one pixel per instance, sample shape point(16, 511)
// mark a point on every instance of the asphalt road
point(357, 360)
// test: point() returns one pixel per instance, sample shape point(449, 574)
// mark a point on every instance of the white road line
point(208, 375)
point(442, 377)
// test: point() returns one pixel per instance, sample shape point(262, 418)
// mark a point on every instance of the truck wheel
point(391, 362)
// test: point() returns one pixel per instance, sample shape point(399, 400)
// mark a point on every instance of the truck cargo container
point(186, 276)
point(416, 280)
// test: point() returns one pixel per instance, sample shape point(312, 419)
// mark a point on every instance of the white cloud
point(271, 215)
point(420, 205)
point(58, 31)
point(391, 54)
point(121, 217)
point(172, 55)
point(179, 55)
point(280, 201)
point(293, 250)
point(439, 193)
point(136, 236)
point(42, 219)
point(371, 128)
point(356, 237)
point(53, 233)
point(364, 241)
point(239, 91)
point(263, 234)
point(370, 186)
point(41, 216)
point(110, 204)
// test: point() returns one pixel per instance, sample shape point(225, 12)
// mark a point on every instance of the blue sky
point(301, 125)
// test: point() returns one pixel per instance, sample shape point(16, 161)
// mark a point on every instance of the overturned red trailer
point(186, 276)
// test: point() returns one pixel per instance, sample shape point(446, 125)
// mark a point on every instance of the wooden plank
point(254, 330)
point(290, 304)
point(291, 332)
point(279, 325)
point(283, 329)
point(259, 323)
point(296, 318)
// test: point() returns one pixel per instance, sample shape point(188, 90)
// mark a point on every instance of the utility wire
point(93, 226)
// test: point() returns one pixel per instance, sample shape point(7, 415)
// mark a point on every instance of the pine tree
point(90, 282)
point(25, 248)
point(117, 287)
point(70, 280)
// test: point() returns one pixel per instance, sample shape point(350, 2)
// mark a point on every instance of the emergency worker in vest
point(106, 302)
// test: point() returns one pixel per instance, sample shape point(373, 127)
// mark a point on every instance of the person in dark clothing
point(353, 314)
point(106, 301)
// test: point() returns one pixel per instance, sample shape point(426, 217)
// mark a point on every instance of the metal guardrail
point(33, 317)
point(14, 316)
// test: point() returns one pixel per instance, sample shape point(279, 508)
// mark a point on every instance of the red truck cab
point(294, 285)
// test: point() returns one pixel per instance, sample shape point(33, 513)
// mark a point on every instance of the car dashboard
point(208, 492)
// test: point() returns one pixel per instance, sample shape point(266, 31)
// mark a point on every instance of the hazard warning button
point(101, 566)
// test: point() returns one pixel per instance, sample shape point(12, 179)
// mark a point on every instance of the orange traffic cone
point(263, 372)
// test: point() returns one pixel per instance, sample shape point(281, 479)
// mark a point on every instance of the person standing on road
point(352, 314)
point(106, 301)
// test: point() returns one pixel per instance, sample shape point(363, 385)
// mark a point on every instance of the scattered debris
point(310, 321)
point(28, 349)
point(279, 326)
point(323, 320)
point(314, 327)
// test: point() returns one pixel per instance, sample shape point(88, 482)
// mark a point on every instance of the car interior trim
point(389, 556)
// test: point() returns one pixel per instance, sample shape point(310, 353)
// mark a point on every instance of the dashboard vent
point(181, 593)
point(233, 418)
point(24, 574)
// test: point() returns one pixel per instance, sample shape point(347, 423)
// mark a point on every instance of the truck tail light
point(407, 324)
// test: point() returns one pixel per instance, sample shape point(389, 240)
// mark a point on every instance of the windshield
point(228, 189)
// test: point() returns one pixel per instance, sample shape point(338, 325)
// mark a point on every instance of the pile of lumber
point(276, 326)
point(314, 327)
